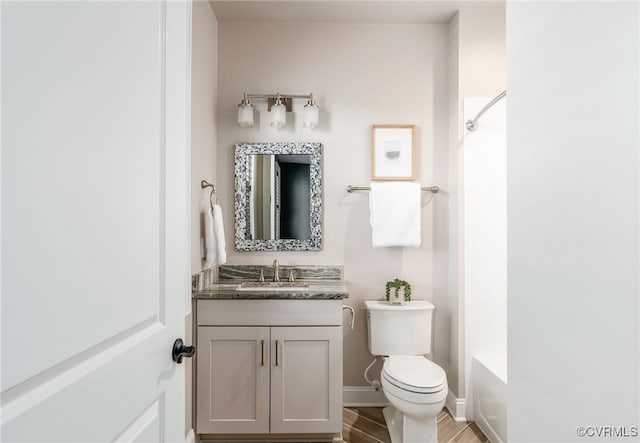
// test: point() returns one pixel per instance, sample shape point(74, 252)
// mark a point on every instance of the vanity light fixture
point(278, 105)
point(278, 113)
point(245, 113)
point(311, 114)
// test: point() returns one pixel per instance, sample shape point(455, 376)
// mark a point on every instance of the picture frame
point(392, 152)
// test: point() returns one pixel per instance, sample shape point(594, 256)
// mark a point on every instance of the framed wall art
point(392, 152)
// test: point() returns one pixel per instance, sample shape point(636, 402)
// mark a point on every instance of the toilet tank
point(399, 329)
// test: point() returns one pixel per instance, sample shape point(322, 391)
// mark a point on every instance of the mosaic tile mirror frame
point(260, 189)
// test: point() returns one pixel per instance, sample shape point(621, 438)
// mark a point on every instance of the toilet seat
point(414, 373)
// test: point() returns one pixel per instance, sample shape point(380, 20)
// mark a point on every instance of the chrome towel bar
point(433, 189)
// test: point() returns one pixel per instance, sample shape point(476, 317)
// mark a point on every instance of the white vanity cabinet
point(268, 367)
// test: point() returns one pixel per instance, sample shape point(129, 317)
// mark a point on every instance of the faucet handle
point(291, 277)
point(276, 271)
point(261, 278)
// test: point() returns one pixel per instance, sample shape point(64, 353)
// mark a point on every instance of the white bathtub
point(489, 386)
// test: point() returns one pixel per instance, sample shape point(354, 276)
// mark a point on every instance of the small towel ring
point(205, 184)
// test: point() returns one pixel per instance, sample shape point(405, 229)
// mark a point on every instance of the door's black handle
point(180, 351)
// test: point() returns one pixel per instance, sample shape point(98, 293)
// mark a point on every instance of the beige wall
point(360, 75)
point(204, 86)
point(482, 53)
point(448, 161)
point(204, 71)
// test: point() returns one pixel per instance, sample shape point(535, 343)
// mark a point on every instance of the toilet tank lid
point(382, 305)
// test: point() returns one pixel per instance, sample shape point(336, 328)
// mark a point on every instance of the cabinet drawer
point(269, 312)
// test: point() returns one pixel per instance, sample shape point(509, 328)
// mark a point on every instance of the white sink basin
point(273, 286)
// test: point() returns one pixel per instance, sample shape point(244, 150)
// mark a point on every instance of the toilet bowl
point(414, 385)
point(417, 390)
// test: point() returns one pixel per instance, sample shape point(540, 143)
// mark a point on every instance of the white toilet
point(415, 386)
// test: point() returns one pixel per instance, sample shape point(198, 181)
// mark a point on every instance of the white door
point(94, 239)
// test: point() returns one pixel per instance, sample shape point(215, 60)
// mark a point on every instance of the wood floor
point(366, 425)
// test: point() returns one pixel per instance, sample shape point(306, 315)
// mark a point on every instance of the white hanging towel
point(210, 238)
point(214, 236)
point(218, 231)
point(395, 214)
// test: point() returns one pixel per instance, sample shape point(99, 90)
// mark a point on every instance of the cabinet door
point(233, 380)
point(306, 379)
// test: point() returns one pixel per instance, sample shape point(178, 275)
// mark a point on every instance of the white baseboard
point(487, 429)
point(191, 437)
point(363, 396)
point(457, 407)
point(368, 397)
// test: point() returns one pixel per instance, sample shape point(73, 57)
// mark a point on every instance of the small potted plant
point(401, 291)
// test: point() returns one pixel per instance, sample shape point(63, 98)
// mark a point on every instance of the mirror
point(278, 196)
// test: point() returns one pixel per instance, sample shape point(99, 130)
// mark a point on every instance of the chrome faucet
point(276, 271)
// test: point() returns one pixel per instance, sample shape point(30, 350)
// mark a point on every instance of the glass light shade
point(245, 115)
point(278, 115)
point(311, 115)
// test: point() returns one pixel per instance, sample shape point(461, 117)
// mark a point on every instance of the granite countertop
point(316, 290)
point(321, 282)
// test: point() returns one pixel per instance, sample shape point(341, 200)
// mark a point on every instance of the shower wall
point(486, 266)
point(485, 197)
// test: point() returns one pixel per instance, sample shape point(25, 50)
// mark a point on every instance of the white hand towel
point(395, 214)
point(210, 238)
point(218, 231)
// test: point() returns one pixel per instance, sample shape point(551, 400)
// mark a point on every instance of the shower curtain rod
point(472, 125)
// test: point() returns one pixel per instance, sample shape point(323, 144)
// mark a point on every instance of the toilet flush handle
point(353, 315)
